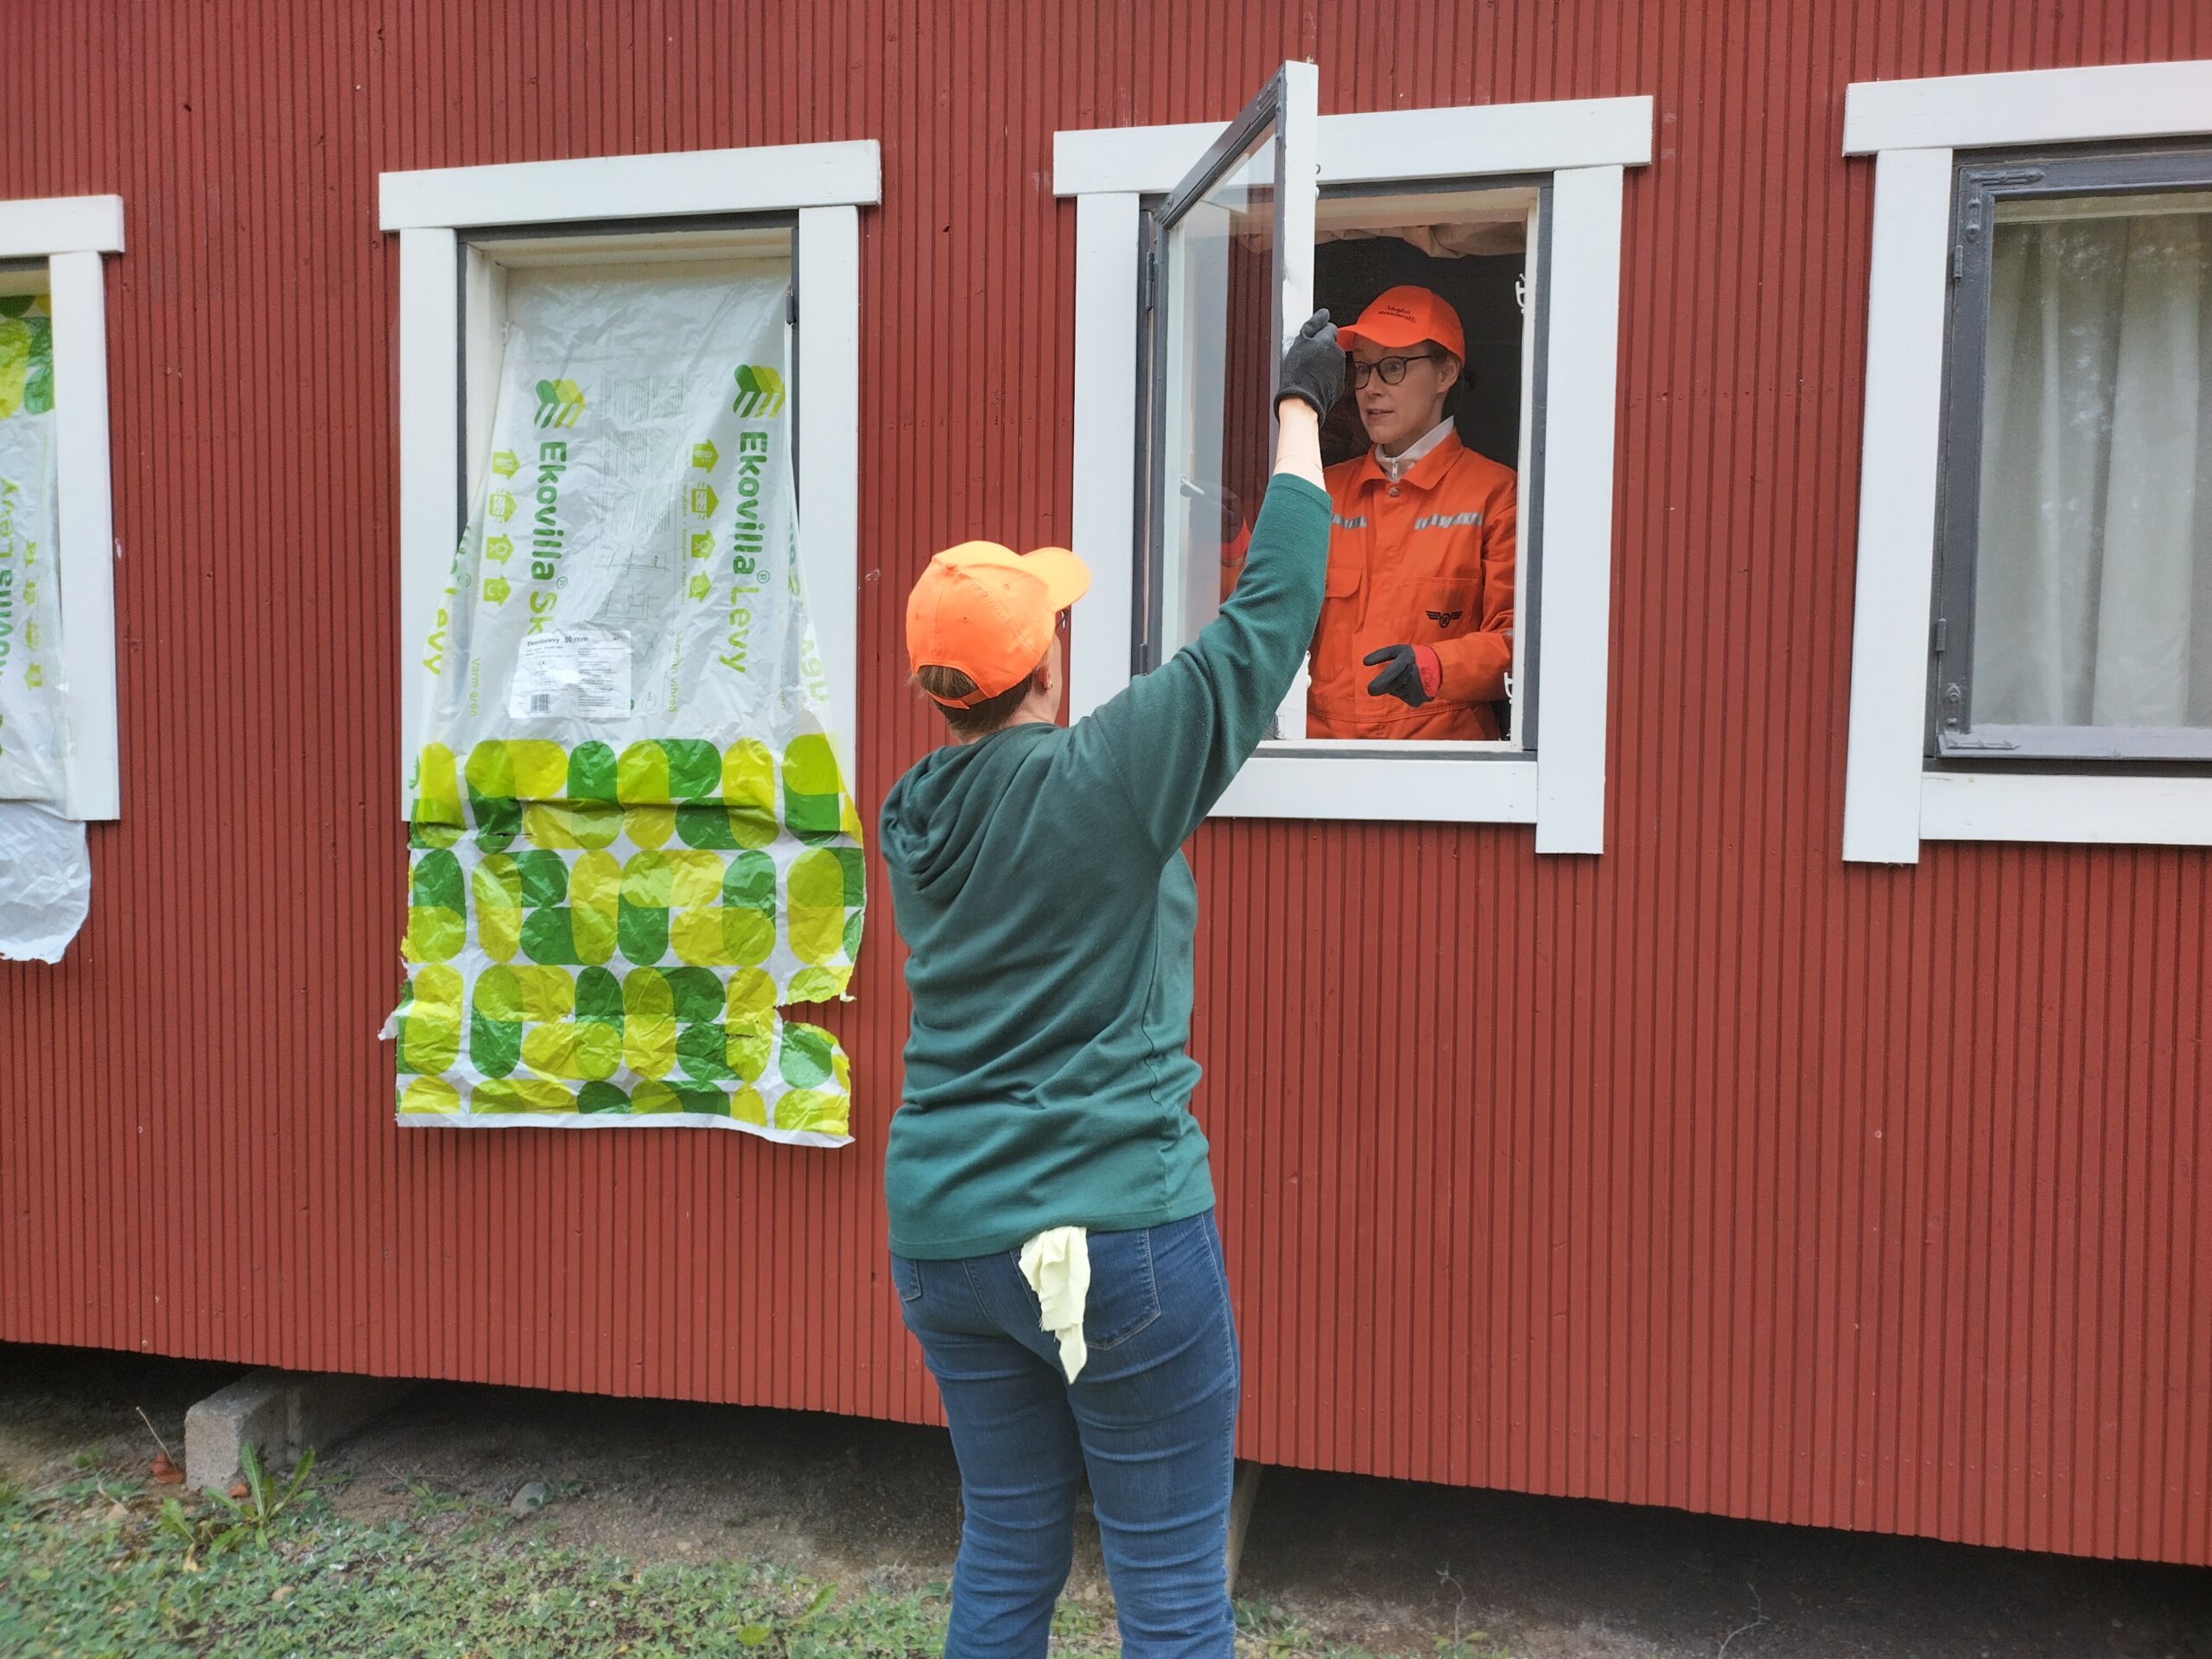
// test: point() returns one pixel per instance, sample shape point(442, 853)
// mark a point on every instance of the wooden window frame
point(1584, 147)
point(446, 218)
point(69, 236)
point(1895, 794)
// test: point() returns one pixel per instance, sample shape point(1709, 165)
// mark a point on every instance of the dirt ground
point(1387, 1565)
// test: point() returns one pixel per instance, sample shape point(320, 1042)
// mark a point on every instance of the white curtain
point(2093, 602)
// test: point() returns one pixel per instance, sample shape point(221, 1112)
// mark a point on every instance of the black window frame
point(1980, 183)
point(1146, 652)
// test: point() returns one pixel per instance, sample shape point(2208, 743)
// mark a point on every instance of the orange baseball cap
point(1401, 318)
point(990, 611)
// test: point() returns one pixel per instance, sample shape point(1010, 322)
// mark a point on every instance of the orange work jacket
point(1427, 560)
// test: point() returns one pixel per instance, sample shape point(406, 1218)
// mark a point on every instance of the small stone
point(529, 1498)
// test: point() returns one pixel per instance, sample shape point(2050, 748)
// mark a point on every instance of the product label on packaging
point(571, 674)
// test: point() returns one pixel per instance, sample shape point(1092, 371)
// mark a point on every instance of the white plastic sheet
point(45, 880)
point(636, 523)
point(32, 730)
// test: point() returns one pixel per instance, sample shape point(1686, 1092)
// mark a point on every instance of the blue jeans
point(1153, 1419)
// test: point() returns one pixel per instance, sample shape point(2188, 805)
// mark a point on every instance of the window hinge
point(1149, 275)
point(1969, 235)
point(1969, 231)
point(1943, 634)
point(1954, 742)
point(791, 305)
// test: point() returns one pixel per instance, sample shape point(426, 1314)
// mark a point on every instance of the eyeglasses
point(1392, 369)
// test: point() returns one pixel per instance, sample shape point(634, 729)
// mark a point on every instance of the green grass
point(107, 1569)
point(93, 1570)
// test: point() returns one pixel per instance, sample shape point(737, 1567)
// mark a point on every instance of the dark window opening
point(1485, 290)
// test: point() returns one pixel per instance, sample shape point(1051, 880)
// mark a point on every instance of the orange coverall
point(1427, 560)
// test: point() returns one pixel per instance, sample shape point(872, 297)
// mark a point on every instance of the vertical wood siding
point(1709, 1172)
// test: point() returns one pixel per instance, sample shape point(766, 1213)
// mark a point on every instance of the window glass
point(2093, 585)
point(1219, 373)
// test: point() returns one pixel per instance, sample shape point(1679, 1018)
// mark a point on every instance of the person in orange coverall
point(1416, 633)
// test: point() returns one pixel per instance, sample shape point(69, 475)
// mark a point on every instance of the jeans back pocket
point(1124, 1289)
point(907, 1275)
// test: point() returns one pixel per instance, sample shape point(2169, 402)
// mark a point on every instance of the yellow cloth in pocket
point(1056, 1264)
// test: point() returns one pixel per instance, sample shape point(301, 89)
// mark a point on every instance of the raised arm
point(1178, 735)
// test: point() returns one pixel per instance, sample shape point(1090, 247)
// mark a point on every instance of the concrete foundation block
point(282, 1412)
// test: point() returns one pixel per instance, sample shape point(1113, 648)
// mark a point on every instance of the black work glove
point(1402, 678)
point(1313, 367)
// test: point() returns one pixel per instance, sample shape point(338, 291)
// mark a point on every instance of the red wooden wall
point(1710, 1172)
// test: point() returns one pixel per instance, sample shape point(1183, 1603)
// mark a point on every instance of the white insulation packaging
point(45, 877)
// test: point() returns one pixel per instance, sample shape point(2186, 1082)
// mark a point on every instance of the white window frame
point(825, 185)
point(1584, 145)
point(1892, 800)
point(70, 234)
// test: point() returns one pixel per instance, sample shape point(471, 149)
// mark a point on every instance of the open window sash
point(1230, 280)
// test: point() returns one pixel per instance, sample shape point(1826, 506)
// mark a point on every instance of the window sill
point(2082, 808)
point(1467, 787)
point(1993, 744)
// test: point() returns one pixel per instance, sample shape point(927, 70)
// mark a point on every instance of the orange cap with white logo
point(990, 611)
point(1401, 318)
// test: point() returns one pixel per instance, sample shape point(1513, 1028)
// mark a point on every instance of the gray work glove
point(1411, 673)
point(1313, 367)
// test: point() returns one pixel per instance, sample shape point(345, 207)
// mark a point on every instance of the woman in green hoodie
point(1052, 1211)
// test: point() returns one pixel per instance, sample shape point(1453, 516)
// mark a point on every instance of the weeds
point(1268, 1631)
point(431, 1500)
point(223, 1522)
point(264, 1500)
point(759, 1635)
point(198, 1535)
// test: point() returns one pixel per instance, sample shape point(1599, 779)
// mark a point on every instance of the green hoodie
point(1038, 879)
